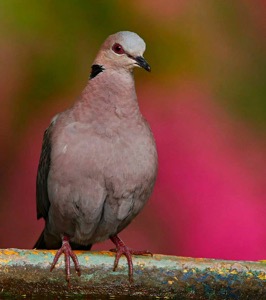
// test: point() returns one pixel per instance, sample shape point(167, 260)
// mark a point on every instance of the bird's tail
point(80, 247)
point(40, 244)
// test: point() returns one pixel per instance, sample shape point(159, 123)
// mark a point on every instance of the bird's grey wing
point(42, 198)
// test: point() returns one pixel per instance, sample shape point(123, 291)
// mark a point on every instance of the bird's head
point(122, 50)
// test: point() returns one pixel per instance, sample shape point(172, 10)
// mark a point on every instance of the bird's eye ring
point(118, 49)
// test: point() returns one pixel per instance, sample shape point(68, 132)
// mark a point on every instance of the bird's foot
point(68, 252)
point(121, 249)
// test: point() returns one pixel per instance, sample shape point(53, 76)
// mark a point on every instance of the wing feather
point(42, 198)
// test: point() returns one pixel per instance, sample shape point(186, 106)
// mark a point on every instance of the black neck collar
point(95, 70)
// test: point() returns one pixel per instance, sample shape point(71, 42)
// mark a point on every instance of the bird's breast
point(121, 154)
point(108, 179)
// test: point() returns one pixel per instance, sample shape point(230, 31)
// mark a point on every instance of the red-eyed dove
point(99, 161)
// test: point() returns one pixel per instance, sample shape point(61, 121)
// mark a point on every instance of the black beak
point(143, 63)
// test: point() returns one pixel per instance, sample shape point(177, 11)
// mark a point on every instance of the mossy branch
point(26, 272)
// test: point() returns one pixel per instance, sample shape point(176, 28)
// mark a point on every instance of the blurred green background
point(52, 43)
point(208, 61)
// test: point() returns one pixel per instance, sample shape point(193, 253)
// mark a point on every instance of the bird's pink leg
point(68, 252)
point(121, 249)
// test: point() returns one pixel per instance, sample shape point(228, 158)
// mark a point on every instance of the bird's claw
point(68, 252)
point(122, 249)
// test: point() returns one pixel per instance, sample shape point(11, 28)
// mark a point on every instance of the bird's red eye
point(117, 48)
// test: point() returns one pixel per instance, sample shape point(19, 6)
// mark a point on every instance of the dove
point(98, 162)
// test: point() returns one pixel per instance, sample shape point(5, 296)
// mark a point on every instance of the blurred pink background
point(205, 102)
